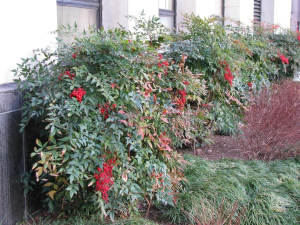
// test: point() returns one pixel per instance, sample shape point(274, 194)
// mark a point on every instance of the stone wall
point(12, 155)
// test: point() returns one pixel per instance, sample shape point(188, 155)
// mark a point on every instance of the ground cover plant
point(252, 192)
point(85, 220)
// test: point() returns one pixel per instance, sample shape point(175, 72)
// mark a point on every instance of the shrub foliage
point(114, 104)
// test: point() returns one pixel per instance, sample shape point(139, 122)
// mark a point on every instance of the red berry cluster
point(163, 64)
point(186, 82)
point(228, 76)
point(298, 37)
point(182, 100)
point(105, 109)
point(147, 92)
point(157, 176)
point(78, 93)
point(75, 55)
point(71, 75)
point(249, 84)
point(104, 178)
point(284, 60)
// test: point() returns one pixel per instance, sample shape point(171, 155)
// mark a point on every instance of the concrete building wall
point(239, 10)
point(247, 11)
point(185, 7)
point(205, 8)
point(295, 15)
point(114, 12)
point(267, 11)
point(12, 152)
point(135, 7)
point(25, 25)
point(282, 12)
point(232, 10)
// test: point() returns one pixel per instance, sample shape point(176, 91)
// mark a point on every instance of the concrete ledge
point(12, 156)
point(10, 98)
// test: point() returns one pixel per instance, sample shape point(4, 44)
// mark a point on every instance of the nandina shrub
point(221, 60)
point(111, 106)
point(272, 123)
point(234, 61)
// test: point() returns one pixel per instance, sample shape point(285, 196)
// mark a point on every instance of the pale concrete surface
point(267, 9)
point(12, 163)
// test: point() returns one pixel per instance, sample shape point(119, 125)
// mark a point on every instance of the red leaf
point(164, 119)
point(123, 121)
point(113, 85)
point(141, 132)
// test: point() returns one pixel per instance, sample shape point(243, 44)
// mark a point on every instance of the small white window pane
point(168, 22)
point(82, 16)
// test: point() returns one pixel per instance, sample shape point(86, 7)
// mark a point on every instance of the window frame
point(170, 13)
point(87, 4)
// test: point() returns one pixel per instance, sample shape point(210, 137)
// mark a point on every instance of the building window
point(257, 11)
point(84, 12)
point(167, 9)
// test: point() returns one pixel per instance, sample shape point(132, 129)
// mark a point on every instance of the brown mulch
point(222, 147)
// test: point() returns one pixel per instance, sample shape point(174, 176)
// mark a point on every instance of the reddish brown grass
point(272, 123)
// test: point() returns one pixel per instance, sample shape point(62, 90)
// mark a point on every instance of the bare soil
point(222, 147)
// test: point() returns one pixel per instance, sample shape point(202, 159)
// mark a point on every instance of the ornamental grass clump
point(111, 106)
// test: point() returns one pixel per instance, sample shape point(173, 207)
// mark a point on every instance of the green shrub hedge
point(114, 105)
